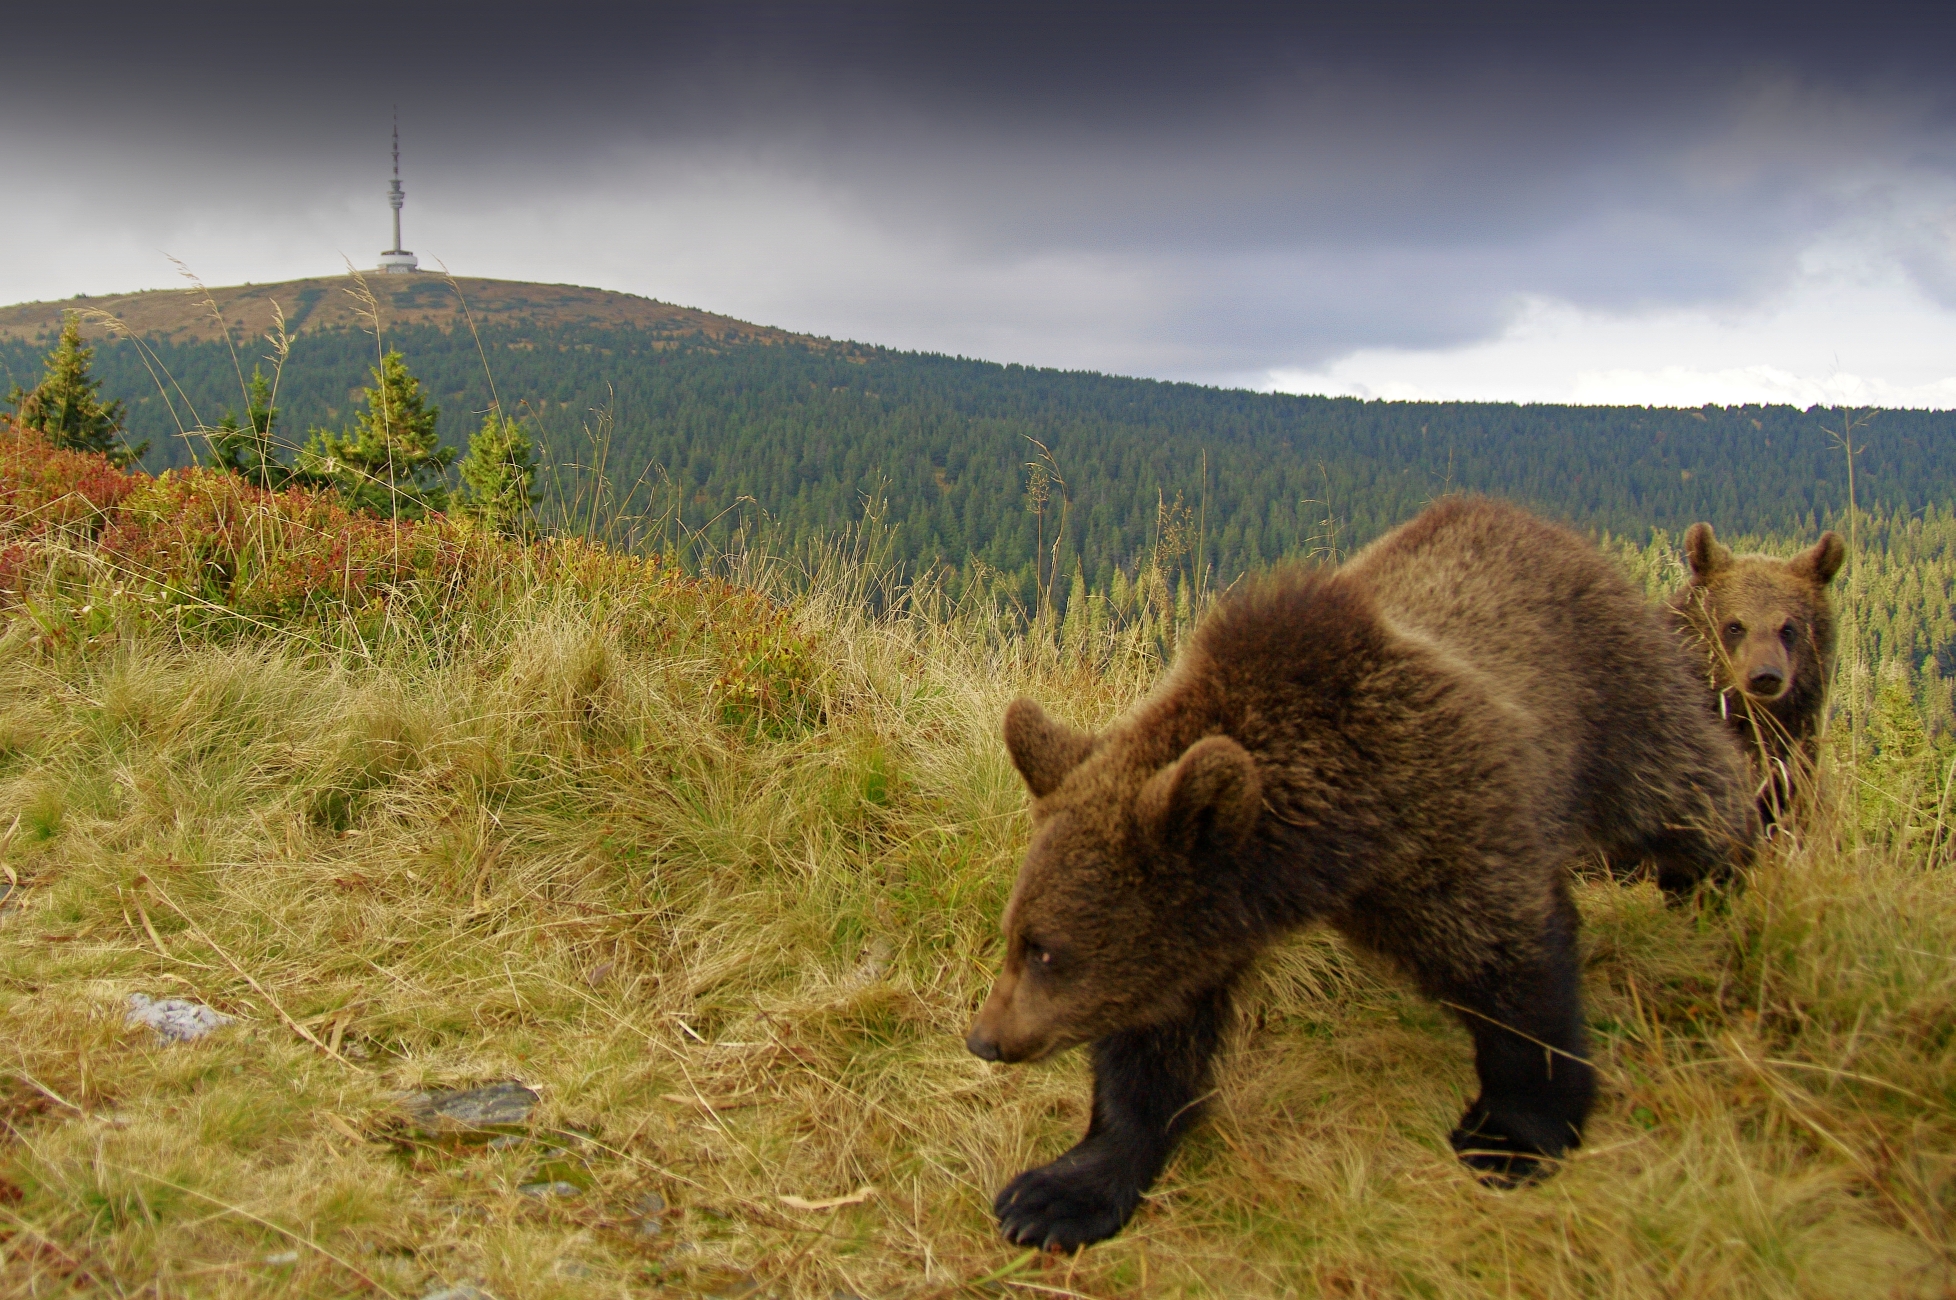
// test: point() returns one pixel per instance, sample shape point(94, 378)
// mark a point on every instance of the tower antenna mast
point(397, 259)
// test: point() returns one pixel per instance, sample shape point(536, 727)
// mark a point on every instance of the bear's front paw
point(1510, 1149)
point(1064, 1206)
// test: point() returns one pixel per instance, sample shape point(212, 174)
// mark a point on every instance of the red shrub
point(208, 546)
point(42, 486)
point(204, 536)
point(50, 496)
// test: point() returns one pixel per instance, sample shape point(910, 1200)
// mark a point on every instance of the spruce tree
point(67, 404)
point(391, 462)
point(499, 477)
point(1901, 778)
point(1073, 629)
point(249, 452)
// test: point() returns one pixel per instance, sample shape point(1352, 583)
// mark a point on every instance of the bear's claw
point(1062, 1206)
point(1487, 1144)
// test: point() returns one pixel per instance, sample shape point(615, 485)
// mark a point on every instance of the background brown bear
point(1765, 630)
point(1413, 748)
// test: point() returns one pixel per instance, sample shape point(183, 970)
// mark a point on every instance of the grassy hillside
point(242, 315)
point(715, 869)
point(710, 427)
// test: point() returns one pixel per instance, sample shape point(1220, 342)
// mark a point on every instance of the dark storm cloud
point(1280, 186)
point(1110, 64)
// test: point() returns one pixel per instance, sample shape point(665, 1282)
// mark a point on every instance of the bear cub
point(1763, 630)
point(1412, 748)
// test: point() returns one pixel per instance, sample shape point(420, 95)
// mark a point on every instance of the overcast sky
point(1537, 202)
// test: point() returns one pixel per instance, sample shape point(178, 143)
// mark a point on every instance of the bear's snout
point(1006, 1029)
point(1766, 681)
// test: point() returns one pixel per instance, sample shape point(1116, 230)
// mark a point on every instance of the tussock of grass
point(735, 951)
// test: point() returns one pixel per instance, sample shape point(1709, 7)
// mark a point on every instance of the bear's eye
point(1735, 630)
point(1787, 634)
point(1037, 954)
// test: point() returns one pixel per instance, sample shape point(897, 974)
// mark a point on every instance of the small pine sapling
point(67, 404)
point(249, 451)
point(499, 477)
point(391, 462)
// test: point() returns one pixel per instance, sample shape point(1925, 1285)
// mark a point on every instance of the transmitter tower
point(397, 260)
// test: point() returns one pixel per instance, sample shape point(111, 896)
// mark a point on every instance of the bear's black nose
point(985, 1049)
point(1765, 681)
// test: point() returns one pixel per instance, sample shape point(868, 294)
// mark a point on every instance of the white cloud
point(1853, 330)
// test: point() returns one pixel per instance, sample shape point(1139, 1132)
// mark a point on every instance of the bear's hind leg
point(1147, 1089)
point(1536, 1082)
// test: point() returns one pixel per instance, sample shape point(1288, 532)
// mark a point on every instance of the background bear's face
point(1768, 621)
point(1124, 908)
point(1764, 623)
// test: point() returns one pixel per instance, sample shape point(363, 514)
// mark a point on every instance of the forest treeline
point(1030, 477)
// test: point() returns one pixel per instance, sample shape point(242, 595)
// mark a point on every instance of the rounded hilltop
point(338, 302)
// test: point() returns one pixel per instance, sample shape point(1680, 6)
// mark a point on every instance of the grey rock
point(648, 1209)
point(499, 1105)
point(556, 1187)
point(459, 1291)
point(176, 1020)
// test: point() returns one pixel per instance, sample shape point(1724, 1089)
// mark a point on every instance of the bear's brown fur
point(1764, 630)
point(1413, 748)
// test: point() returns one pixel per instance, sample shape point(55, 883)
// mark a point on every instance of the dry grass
point(739, 966)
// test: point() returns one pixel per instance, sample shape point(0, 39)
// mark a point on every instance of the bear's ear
point(1703, 552)
point(1212, 791)
point(1043, 750)
point(1823, 560)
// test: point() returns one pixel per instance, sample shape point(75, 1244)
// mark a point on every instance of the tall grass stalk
point(1853, 664)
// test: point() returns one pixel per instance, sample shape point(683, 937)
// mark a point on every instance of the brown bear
point(1763, 629)
point(1414, 748)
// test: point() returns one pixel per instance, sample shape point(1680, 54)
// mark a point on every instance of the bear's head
point(1767, 621)
point(1125, 907)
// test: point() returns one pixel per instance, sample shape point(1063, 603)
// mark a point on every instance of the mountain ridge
point(353, 301)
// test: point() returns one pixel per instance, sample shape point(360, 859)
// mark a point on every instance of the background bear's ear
point(1703, 552)
point(1211, 791)
point(1043, 750)
point(1823, 560)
